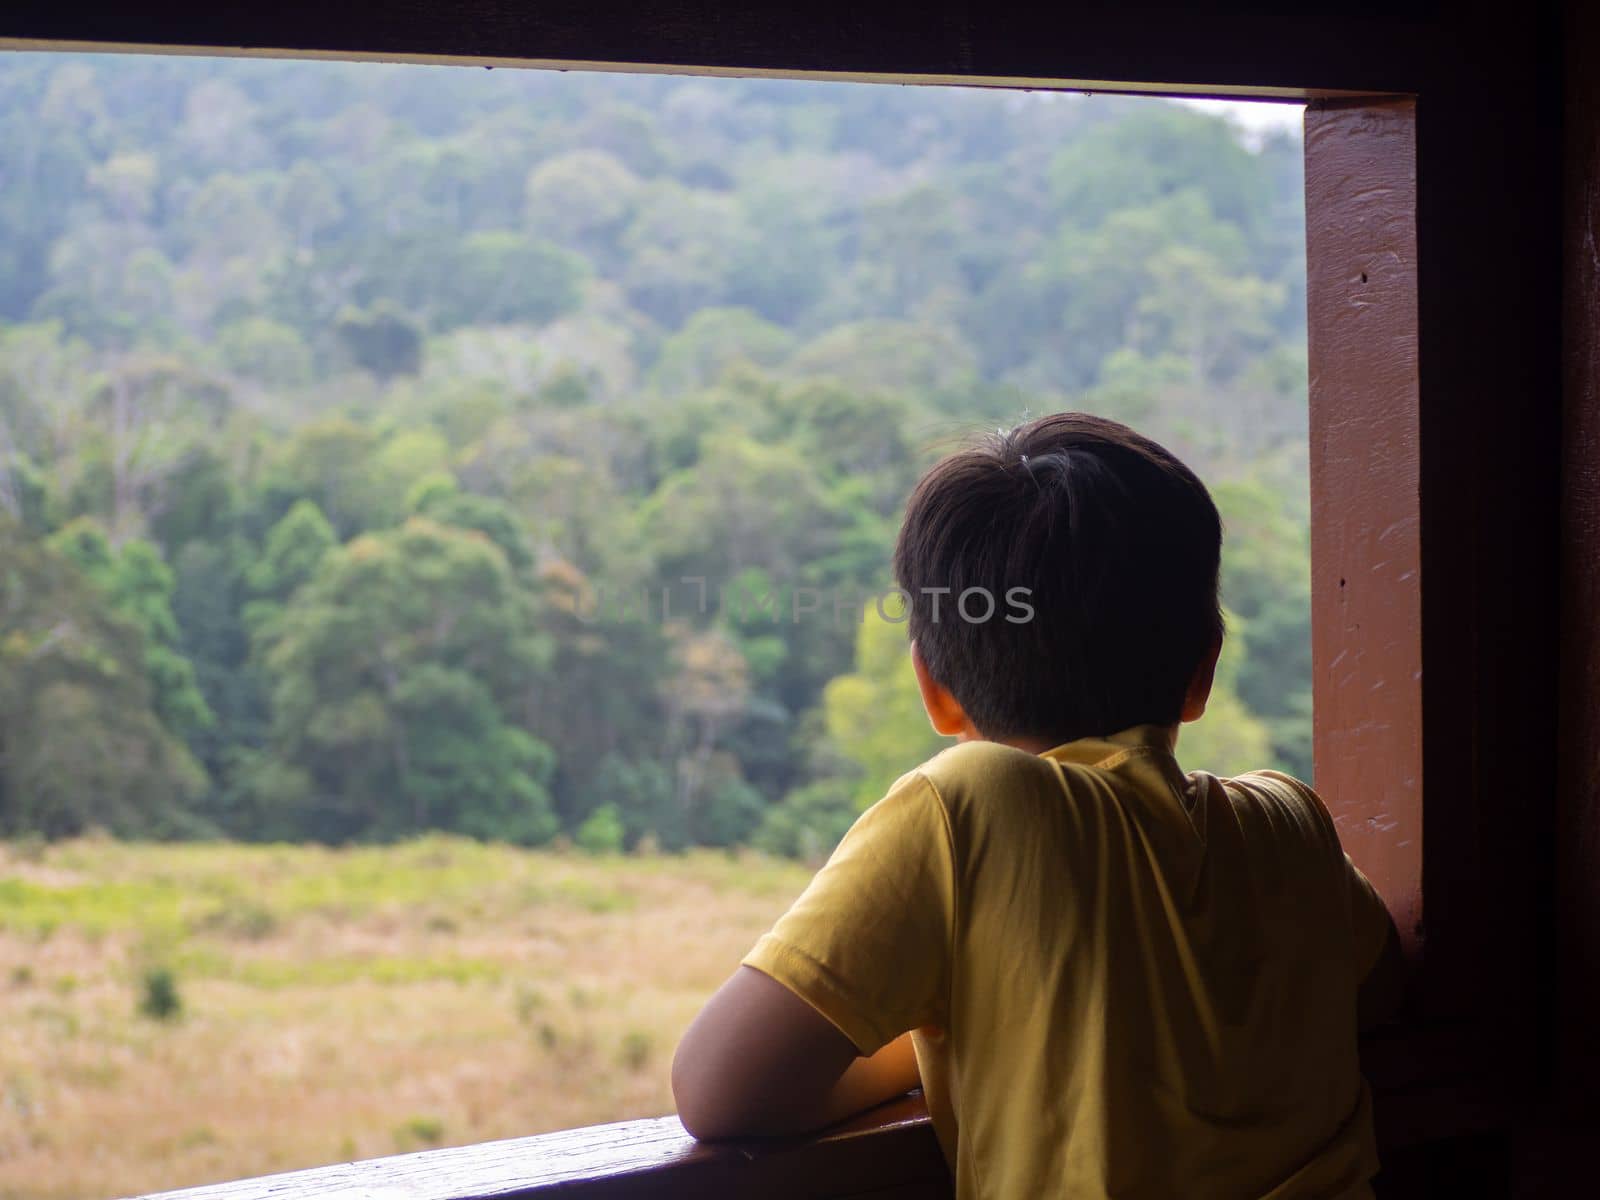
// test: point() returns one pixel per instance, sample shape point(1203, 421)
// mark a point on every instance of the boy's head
point(1117, 544)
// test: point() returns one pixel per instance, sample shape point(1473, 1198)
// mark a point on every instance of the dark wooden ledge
point(889, 1153)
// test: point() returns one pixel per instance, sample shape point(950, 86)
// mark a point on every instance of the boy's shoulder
point(965, 766)
point(1274, 786)
point(984, 773)
point(1275, 799)
point(981, 776)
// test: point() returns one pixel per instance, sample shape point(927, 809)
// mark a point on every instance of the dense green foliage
point(400, 448)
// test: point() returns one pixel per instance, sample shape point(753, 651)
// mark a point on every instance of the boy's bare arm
point(760, 1062)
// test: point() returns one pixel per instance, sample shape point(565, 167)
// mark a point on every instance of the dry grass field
point(337, 1004)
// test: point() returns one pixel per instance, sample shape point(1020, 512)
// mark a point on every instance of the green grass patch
point(247, 893)
point(92, 908)
point(387, 969)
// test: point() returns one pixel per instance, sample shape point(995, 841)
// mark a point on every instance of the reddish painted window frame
point(1366, 555)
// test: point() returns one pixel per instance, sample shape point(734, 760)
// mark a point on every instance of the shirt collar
point(1092, 751)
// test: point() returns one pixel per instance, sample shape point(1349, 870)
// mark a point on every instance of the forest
point(390, 449)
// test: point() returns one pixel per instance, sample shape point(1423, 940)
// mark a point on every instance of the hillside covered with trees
point(355, 420)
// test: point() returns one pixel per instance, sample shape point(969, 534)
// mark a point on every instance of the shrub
point(808, 822)
point(637, 1048)
point(158, 994)
point(601, 832)
point(241, 918)
point(728, 814)
point(641, 795)
point(419, 1131)
point(529, 1001)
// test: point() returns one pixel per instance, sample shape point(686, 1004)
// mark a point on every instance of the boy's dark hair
point(1118, 544)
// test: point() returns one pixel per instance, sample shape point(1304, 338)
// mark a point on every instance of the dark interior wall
point(1489, 247)
point(1578, 833)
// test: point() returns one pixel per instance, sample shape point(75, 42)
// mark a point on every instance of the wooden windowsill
point(1421, 1080)
point(890, 1152)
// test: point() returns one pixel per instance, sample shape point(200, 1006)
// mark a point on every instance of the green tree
point(139, 585)
point(397, 675)
point(601, 832)
point(381, 340)
point(810, 821)
point(294, 549)
point(880, 355)
point(707, 693)
point(582, 198)
point(608, 717)
point(143, 421)
point(309, 203)
point(81, 742)
point(741, 504)
point(640, 795)
point(126, 183)
point(439, 498)
point(1154, 151)
point(1266, 578)
point(354, 475)
point(489, 277)
point(874, 715)
point(266, 351)
point(678, 251)
point(213, 605)
point(1195, 308)
point(1228, 739)
point(714, 338)
point(1097, 281)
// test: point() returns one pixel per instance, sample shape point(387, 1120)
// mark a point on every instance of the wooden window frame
point(1431, 732)
point(1366, 563)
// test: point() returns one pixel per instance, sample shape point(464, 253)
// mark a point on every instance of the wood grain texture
point(890, 1153)
point(1366, 557)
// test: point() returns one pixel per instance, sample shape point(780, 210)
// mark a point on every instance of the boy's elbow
point(702, 1107)
point(686, 1098)
point(697, 1123)
point(705, 1124)
point(717, 1100)
point(757, 1062)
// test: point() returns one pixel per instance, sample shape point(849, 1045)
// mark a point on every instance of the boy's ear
point(944, 711)
point(1194, 700)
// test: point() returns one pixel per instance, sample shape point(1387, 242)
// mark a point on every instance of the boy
point(1110, 978)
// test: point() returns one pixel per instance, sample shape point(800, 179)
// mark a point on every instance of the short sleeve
point(867, 944)
point(1369, 916)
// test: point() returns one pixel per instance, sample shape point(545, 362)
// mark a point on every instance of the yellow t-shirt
point(1124, 981)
